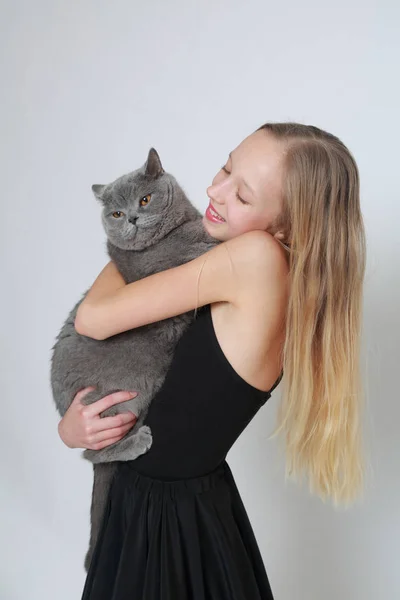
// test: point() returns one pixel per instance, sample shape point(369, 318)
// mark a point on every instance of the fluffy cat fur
point(151, 226)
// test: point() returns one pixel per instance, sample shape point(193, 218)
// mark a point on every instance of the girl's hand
point(82, 426)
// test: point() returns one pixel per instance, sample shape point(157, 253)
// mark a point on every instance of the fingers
point(100, 405)
point(106, 443)
point(108, 423)
point(108, 437)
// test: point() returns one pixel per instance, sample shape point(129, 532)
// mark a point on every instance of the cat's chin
point(140, 239)
point(133, 243)
point(129, 243)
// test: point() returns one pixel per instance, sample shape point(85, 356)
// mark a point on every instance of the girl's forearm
point(106, 284)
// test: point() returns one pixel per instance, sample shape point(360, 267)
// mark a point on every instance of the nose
point(133, 220)
point(214, 192)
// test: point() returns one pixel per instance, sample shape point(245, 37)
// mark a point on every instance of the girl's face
point(247, 191)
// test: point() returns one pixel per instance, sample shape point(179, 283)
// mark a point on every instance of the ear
point(153, 166)
point(98, 191)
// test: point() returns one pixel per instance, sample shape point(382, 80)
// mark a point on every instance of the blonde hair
point(322, 394)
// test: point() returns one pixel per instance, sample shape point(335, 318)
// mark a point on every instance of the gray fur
point(165, 233)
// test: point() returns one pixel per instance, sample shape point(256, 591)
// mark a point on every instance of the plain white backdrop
point(86, 89)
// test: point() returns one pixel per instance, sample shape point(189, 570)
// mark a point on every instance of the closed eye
point(223, 168)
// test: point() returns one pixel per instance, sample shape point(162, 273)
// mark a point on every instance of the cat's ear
point(98, 191)
point(153, 166)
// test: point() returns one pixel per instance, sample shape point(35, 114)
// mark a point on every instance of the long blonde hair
point(322, 392)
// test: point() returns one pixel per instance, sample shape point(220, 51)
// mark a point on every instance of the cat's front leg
point(128, 448)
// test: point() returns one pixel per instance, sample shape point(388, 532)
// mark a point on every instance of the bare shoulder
point(260, 262)
point(250, 327)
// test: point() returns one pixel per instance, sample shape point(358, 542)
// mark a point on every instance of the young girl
point(282, 292)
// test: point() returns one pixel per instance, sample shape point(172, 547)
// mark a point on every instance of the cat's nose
point(133, 220)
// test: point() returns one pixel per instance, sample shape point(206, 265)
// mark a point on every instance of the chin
point(213, 231)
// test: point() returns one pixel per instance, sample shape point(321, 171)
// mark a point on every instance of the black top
point(201, 409)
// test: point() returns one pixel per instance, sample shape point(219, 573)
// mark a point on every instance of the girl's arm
point(225, 273)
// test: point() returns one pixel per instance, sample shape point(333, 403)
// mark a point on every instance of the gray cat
point(151, 226)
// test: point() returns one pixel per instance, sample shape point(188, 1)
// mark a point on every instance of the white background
point(87, 88)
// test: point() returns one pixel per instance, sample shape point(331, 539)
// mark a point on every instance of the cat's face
point(140, 207)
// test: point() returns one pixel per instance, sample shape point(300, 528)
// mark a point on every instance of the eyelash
point(223, 168)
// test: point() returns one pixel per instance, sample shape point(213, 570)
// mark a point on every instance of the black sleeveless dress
point(175, 527)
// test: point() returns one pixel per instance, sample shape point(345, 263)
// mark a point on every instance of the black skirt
point(188, 539)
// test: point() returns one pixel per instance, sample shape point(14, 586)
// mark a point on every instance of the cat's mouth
point(133, 232)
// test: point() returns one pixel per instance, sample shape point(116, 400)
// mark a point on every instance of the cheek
point(240, 220)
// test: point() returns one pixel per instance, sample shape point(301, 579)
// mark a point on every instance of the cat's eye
point(145, 200)
point(117, 214)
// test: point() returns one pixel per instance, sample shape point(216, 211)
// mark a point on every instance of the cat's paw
point(137, 444)
point(145, 430)
point(143, 441)
point(129, 448)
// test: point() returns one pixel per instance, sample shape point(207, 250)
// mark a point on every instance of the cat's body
point(148, 242)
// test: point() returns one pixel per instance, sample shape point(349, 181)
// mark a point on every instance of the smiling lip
point(212, 217)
